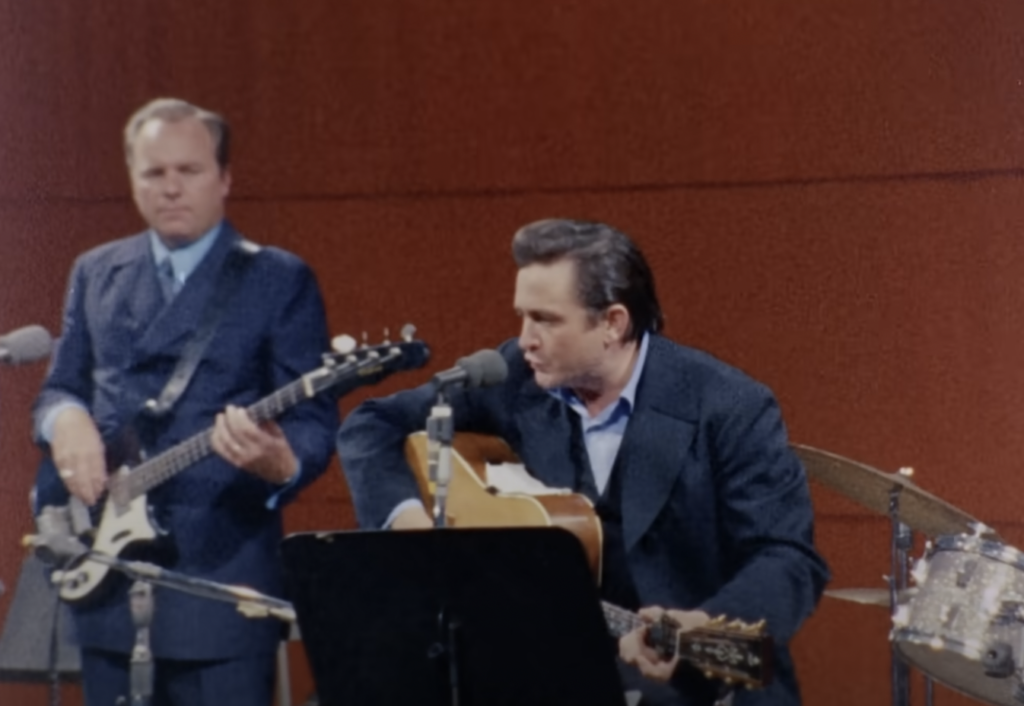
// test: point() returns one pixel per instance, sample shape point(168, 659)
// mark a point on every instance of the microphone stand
point(57, 546)
point(140, 598)
point(440, 432)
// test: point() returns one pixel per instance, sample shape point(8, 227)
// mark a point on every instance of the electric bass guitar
point(126, 522)
point(735, 652)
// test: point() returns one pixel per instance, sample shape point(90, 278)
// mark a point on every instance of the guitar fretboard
point(620, 621)
point(151, 473)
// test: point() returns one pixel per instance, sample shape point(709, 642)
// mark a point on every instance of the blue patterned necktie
point(168, 282)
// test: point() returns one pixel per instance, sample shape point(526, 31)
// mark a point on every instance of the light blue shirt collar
point(624, 405)
point(185, 259)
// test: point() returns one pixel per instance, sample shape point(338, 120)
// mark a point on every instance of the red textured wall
point(830, 194)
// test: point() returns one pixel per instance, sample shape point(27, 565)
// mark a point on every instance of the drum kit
point(962, 621)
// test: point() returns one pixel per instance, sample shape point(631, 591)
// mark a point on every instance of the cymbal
point(869, 596)
point(870, 487)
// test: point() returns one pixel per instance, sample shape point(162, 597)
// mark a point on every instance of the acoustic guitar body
point(472, 504)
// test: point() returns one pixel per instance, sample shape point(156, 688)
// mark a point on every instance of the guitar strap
point(235, 264)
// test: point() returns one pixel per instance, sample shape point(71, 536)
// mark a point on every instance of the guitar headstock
point(407, 353)
point(730, 650)
point(352, 364)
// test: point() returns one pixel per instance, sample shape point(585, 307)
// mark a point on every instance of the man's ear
point(225, 177)
point(616, 320)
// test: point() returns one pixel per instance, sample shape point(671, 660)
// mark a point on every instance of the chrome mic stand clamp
point(440, 432)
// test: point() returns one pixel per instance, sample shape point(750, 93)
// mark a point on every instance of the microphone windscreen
point(26, 344)
point(484, 368)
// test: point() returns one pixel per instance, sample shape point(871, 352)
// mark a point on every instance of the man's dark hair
point(172, 110)
point(610, 269)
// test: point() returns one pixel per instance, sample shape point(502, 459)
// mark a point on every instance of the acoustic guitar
point(731, 650)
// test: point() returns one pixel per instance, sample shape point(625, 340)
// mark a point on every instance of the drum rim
point(996, 551)
point(923, 638)
point(917, 637)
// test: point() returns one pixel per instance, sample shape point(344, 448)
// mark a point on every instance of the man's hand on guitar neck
point(633, 648)
point(261, 449)
point(79, 455)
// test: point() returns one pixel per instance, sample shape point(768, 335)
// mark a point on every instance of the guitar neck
point(731, 650)
point(621, 621)
point(169, 463)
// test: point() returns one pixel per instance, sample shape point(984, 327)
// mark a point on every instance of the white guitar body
point(122, 524)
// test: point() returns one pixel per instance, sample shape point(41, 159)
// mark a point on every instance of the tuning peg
point(408, 331)
point(387, 336)
point(343, 344)
point(366, 340)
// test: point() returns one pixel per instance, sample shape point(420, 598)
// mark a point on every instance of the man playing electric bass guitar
point(134, 308)
point(704, 508)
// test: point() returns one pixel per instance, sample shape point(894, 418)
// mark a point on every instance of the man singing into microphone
point(134, 309)
point(704, 507)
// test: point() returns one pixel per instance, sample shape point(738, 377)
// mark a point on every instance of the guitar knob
point(343, 344)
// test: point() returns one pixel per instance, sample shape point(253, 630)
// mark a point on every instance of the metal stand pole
point(140, 598)
point(901, 545)
point(284, 683)
point(54, 674)
point(440, 432)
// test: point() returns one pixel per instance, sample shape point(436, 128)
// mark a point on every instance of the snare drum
point(964, 625)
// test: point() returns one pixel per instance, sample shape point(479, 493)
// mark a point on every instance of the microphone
point(55, 543)
point(25, 345)
point(482, 369)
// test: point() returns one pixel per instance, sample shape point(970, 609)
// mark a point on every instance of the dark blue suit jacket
point(716, 510)
point(119, 344)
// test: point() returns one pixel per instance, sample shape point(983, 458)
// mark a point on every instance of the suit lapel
point(132, 271)
point(177, 321)
point(657, 441)
point(546, 430)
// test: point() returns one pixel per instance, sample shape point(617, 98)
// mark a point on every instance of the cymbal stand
point(902, 544)
point(902, 541)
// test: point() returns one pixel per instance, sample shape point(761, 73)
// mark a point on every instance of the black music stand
point(451, 617)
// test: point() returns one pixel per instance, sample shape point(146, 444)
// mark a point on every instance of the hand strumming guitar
point(79, 455)
point(261, 449)
point(634, 650)
point(413, 517)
